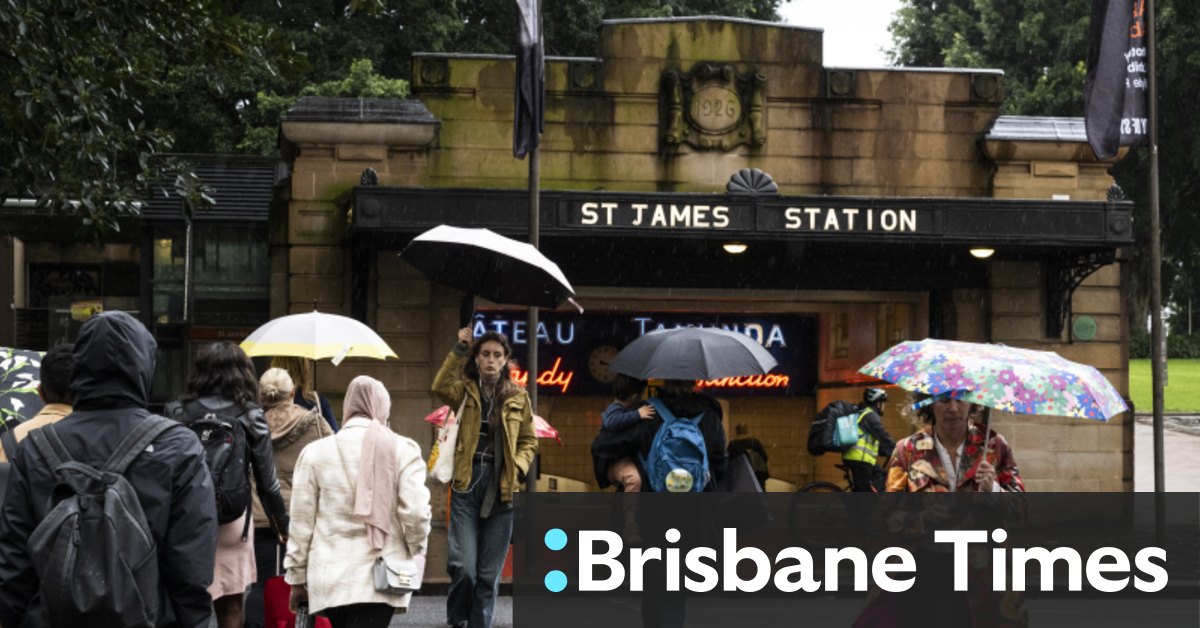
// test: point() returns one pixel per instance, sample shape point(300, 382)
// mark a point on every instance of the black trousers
point(360, 615)
point(863, 476)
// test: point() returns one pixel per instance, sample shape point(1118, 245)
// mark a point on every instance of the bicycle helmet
point(874, 395)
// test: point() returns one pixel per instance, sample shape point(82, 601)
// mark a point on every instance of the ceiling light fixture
point(734, 248)
point(982, 252)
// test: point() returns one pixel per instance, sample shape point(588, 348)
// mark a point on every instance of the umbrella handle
point(987, 441)
point(466, 310)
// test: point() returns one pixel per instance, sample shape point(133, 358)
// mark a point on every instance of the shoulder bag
point(441, 456)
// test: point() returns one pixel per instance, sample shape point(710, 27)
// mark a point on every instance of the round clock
point(598, 362)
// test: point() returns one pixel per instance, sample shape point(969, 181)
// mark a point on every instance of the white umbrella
point(317, 336)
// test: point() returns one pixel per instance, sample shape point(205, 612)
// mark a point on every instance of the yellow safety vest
point(866, 449)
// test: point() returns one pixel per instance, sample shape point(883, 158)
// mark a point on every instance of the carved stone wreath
point(713, 107)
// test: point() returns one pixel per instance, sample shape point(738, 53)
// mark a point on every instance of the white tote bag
point(441, 457)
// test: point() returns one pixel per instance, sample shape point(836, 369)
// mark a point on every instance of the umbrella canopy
point(19, 379)
point(543, 429)
point(316, 336)
point(1005, 378)
point(692, 353)
point(487, 264)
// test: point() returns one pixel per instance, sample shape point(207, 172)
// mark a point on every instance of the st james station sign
point(1034, 222)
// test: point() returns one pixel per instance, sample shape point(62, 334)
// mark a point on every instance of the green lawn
point(1182, 393)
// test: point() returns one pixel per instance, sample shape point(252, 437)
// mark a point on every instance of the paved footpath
point(429, 611)
point(1181, 453)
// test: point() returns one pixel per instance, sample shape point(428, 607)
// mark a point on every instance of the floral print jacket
point(916, 467)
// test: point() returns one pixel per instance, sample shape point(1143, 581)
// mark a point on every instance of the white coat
point(328, 549)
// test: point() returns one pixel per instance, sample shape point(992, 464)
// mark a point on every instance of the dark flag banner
point(1115, 94)
point(529, 119)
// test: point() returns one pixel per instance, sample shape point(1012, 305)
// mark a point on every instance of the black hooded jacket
point(636, 440)
point(114, 366)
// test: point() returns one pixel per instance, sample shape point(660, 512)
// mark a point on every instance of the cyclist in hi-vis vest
point(874, 444)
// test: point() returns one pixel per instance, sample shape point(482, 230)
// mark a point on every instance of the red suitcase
point(276, 614)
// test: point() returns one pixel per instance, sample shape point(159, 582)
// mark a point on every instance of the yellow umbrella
point(317, 336)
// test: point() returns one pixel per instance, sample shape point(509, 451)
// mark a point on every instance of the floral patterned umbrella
point(19, 378)
point(1005, 378)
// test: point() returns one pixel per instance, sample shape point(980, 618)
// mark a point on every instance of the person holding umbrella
point(306, 396)
point(947, 454)
point(292, 428)
point(952, 454)
point(953, 379)
point(496, 445)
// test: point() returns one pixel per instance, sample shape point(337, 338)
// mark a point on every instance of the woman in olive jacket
point(496, 444)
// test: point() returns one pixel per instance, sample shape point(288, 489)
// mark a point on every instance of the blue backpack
point(679, 444)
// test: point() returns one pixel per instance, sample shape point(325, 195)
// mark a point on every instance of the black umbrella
point(692, 353)
point(484, 263)
point(20, 374)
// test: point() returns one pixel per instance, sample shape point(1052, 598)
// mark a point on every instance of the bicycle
point(820, 523)
point(821, 486)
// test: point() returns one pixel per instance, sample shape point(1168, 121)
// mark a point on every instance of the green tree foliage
point(262, 121)
point(80, 77)
point(97, 88)
point(1042, 45)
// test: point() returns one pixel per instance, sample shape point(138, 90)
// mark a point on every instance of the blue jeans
point(477, 548)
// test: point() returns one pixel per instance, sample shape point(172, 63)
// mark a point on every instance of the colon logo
point(556, 580)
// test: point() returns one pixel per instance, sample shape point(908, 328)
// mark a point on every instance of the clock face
point(598, 363)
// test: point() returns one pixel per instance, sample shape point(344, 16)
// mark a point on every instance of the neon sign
point(770, 380)
point(574, 350)
point(551, 377)
point(556, 377)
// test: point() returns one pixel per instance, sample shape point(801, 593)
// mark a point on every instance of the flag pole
point(1157, 337)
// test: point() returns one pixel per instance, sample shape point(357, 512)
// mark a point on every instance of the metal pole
point(1157, 338)
point(535, 183)
point(187, 268)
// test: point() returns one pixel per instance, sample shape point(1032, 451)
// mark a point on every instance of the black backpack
point(821, 434)
point(223, 438)
point(95, 553)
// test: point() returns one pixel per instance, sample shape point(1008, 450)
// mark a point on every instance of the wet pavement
point(429, 611)
point(1181, 453)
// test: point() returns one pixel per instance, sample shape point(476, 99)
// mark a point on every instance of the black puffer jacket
point(114, 365)
point(261, 459)
point(636, 440)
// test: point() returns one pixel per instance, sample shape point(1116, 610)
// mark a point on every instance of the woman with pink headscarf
point(357, 495)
